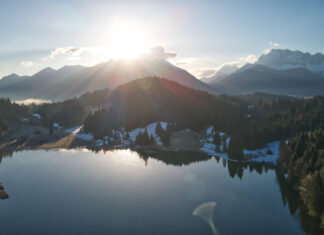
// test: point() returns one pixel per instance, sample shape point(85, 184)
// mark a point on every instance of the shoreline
point(70, 141)
point(185, 140)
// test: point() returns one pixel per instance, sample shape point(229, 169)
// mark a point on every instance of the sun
point(126, 40)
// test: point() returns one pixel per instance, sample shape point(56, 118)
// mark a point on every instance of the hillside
point(147, 100)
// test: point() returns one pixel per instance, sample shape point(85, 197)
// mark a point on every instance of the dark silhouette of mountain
point(259, 78)
point(147, 100)
point(11, 80)
point(71, 81)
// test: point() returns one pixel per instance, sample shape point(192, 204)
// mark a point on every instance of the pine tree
point(217, 141)
point(235, 150)
point(158, 129)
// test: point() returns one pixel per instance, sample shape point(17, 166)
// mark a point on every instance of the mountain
point(280, 72)
point(11, 79)
point(222, 73)
point(282, 60)
point(259, 78)
point(71, 81)
point(147, 100)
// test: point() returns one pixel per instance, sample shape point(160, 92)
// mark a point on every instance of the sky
point(199, 36)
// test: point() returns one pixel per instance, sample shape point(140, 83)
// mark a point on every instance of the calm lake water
point(122, 192)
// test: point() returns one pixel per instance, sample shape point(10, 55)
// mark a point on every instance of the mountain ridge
point(259, 78)
point(71, 81)
point(280, 72)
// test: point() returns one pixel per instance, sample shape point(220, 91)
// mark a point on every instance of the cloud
point(205, 72)
point(274, 44)
point(209, 72)
point(183, 61)
point(251, 59)
point(73, 51)
point(102, 53)
point(239, 62)
point(160, 53)
point(27, 64)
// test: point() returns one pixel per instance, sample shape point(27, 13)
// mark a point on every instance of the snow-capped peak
point(281, 60)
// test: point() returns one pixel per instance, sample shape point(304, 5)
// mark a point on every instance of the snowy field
point(262, 154)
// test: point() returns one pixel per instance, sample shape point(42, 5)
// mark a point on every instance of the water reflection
point(291, 199)
point(206, 212)
point(237, 170)
point(3, 193)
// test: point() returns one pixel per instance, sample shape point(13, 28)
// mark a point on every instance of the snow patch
point(209, 131)
point(77, 132)
point(74, 130)
point(85, 136)
point(38, 116)
point(56, 125)
point(263, 155)
point(210, 148)
point(150, 131)
point(99, 143)
point(268, 154)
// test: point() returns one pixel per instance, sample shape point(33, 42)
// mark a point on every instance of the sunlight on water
point(206, 212)
point(126, 192)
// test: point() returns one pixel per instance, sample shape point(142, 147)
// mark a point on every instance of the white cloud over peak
point(71, 51)
point(251, 59)
point(205, 72)
point(26, 64)
point(160, 53)
point(274, 44)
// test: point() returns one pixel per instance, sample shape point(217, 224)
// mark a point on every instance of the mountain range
point(72, 81)
point(280, 72)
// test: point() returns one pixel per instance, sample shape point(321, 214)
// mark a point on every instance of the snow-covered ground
point(150, 131)
point(119, 135)
point(210, 148)
point(85, 136)
point(99, 143)
point(76, 131)
point(56, 125)
point(38, 116)
point(262, 154)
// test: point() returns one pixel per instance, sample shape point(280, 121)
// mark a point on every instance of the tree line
point(302, 159)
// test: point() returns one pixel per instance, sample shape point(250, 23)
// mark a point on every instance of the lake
point(124, 192)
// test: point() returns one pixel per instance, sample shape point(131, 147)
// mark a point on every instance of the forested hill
point(302, 160)
point(146, 100)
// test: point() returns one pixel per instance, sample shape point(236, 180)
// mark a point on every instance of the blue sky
point(204, 34)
